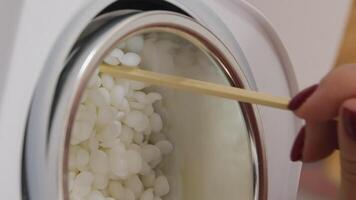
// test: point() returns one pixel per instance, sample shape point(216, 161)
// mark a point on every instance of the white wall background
point(311, 31)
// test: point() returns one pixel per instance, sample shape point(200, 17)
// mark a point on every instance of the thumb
point(347, 145)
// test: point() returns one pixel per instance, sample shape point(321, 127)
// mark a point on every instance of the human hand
point(319, 105)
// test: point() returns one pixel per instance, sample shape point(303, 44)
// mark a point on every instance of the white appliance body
point(38, 33)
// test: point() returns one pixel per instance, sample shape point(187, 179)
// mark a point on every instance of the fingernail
point(297, 150)
point(349, 122)
point(300, 98)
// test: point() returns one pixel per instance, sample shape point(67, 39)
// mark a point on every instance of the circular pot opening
point(123, 139)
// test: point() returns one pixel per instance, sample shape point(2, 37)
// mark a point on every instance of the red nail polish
point(300, 98)
point(297, 150)
point(349, 122)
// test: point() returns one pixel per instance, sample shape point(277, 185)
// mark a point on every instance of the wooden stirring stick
point(196, 86)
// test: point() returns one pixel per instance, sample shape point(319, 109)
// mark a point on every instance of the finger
point(324, 103)
point(315, 141)
point(347, 145)
point(320, 140)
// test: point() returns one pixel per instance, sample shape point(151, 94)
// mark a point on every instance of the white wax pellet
point(156, 137)
point(129, 94)
point(154, 163)
point(153, 97)
point(136, 120)
point(135, 44)
point(81, 158)
point(148, 110)
point(150, 153)
point(105, 192)
point(71, 177)
point(120, 115)
point(86, 129)
point(114, 57)
point(76, 133)
point(156, 122)
point(80, 111)
point(159, 172)
point(117, 95)
point(130, 59)
point(95, 195)
point(137, 85)
point(85, 145)
point(129, 195)
point(123, 83)
point(86, 113)
point(147, 195)
point(105, 115)
point(107, 81)
point(72, 157)
point(135, 185)
point(111, 131)
point(135, 147)
point(127, 135)
point(100, 181)
point(138, 138)
point(161, 186)
point(94, 81)
point(98, 82)
point(146, 169)
point(113, 177)
point(117, 53)
point(116, 190)
point(124, 106)
point(93, 143)
point(111, 60)
point(84, 168)
point(90, 106)
point(100, 97)
point(165, 147)
point(140, 97)
point(137, 105)
point(134, 161)
point(118, 162)
point(73, 196)
point(81, 131)
point(117, 150)
point(148, 180)
point(82, 183)
point(110, 143)
point(99, 162)
point(148, 130)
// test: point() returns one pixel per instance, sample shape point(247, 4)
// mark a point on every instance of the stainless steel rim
point(86, 58)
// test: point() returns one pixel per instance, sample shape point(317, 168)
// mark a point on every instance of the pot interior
point(211, 157)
